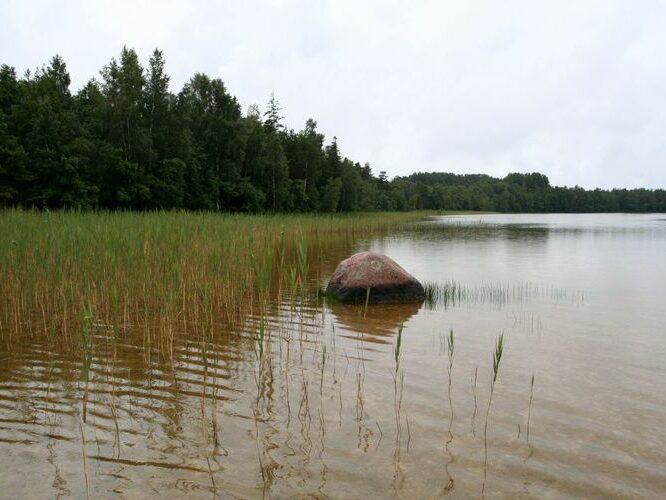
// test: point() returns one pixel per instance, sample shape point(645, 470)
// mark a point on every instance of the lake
point(326, 400)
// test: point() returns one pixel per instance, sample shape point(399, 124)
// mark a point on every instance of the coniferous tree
point(123, 88)
point(128, 142)
point(13, 171)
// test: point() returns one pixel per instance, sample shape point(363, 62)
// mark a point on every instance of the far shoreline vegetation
point(126, 142)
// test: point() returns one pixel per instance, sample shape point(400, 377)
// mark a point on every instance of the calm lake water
point(336, 410)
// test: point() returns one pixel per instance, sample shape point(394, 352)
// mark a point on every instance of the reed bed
point(453, 293)
point(176, 283)
point(159, 273)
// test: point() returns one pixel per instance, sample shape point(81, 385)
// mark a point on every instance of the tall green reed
point(497, 358)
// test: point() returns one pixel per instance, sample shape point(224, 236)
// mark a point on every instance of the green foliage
point(398, 344)
point(331, 195)
point(127, 142)
point(497, 356)
point(518, 193)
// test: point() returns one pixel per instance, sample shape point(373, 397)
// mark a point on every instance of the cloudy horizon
point(572, 91)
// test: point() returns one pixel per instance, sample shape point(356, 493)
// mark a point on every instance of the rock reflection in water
point(376, 323)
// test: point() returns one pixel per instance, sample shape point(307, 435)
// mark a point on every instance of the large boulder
point(386, 280)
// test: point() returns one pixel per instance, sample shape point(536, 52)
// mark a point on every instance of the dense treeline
point(127, 142)
point(520, 193)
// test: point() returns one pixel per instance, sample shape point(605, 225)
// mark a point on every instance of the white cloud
point(572, 89)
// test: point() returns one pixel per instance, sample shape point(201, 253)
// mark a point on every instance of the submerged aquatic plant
point(86, 360)
point(474, 379)
point(450, 346)
point(452, 293)
point(303, 263)
point(142, 271)
point(529, 408)
point(398, 388)
point(259, 340)
point(497, 358)
point(398, 343)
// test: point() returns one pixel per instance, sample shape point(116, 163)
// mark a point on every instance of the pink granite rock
point(386, 280)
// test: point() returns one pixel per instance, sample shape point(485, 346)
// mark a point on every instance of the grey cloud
point(572, 89)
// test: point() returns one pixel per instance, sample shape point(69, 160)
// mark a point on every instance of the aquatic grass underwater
point(263, 386)
point(157, 272)
point(496, 294)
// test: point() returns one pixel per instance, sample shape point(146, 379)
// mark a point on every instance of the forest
point(124, 141)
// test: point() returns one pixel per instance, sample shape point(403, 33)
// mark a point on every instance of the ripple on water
point(333, 409)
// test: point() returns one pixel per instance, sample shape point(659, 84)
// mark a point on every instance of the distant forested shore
point(124, 141)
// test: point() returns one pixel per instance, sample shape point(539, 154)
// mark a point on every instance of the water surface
point(330, 408)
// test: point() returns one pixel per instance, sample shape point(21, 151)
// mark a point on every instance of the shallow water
point(333, 410)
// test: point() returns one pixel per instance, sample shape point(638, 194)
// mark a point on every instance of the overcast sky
point(572, 89)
